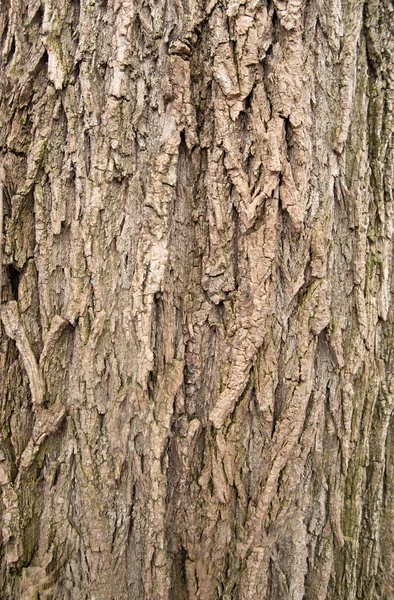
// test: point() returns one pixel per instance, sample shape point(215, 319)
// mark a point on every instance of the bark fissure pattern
point(196, 359)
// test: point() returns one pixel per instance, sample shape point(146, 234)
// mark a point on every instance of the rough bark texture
point(197, 364)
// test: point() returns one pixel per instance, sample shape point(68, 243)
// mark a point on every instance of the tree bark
point(197, 367)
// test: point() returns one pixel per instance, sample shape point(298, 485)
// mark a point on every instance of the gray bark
point(196, 360)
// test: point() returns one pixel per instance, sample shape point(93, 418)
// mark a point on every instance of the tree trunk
point(197, 365)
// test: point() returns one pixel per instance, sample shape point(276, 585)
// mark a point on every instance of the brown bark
point(197, 371)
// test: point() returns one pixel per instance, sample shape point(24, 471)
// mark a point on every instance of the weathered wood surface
point(197, 313)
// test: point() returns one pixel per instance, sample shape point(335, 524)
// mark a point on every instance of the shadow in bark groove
point(178, 590)
point(14, 277)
